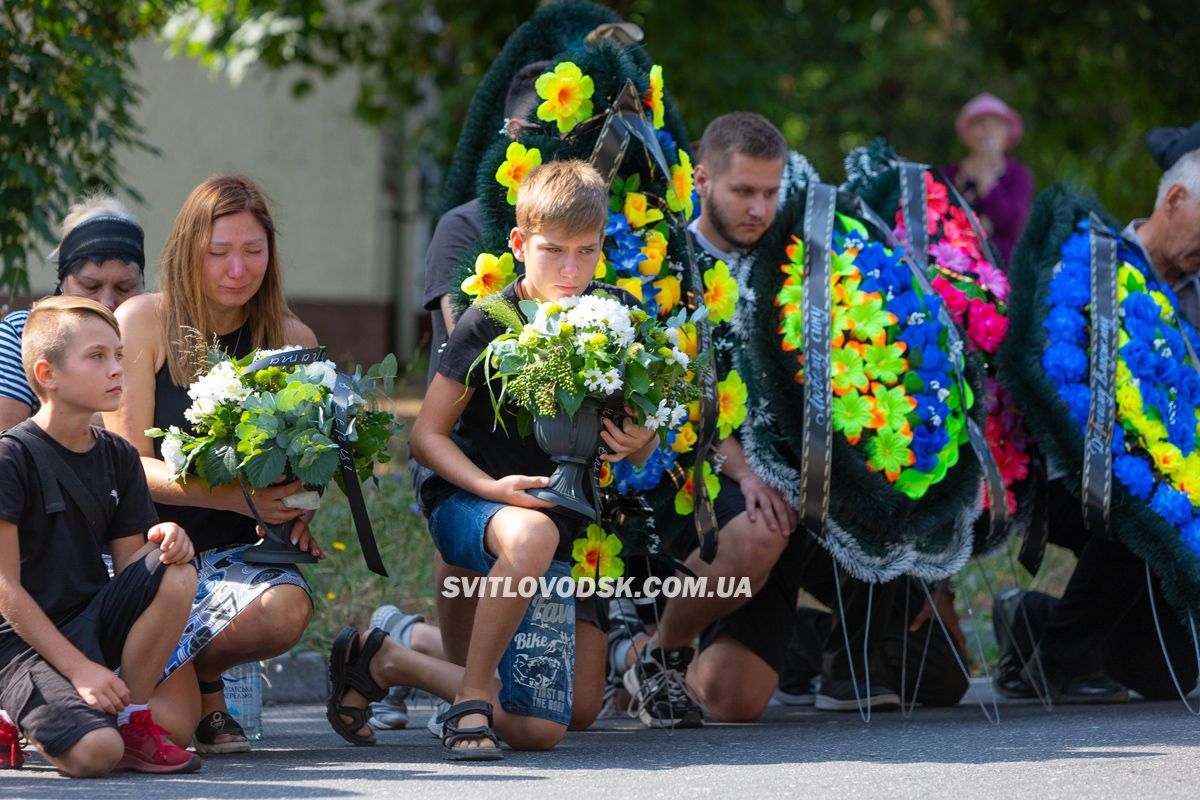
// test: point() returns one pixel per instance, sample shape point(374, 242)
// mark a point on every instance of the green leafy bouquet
point(556, 355)
point(261, 424)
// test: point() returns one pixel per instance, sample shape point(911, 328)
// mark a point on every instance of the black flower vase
point(571, 443)
point(276, 547)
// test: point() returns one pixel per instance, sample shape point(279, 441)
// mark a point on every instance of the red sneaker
point(11, 754)
point(148, 748)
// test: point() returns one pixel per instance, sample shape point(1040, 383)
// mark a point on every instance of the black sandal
point(452, 734)
point(219, 723)
point(350, 668)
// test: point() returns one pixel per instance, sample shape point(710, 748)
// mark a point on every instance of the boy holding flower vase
point(482, 516)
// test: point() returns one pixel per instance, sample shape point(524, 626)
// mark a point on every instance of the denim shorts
point(537, 670)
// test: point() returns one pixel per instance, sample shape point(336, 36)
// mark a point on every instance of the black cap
point(1168, 145)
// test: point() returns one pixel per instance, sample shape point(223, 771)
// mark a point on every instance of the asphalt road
point(1142, 750)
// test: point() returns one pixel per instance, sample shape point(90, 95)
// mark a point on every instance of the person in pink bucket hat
point(998, 186)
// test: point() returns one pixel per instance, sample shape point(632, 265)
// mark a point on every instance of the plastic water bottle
point(243, 696)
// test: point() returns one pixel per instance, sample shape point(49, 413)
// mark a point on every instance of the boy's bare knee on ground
point(741, 700)
point(529, 733)
point(95, 755)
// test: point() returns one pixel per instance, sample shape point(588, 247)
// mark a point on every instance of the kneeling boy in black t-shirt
point(551, 668)
point(67, 491)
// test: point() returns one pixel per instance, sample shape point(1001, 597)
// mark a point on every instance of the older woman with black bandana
point(101, 257)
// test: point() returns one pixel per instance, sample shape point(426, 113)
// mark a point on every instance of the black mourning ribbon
point(626, 121)
point(914, 204)
point(1102, 369)
point(351, 485)
point(816, 310)
point(350, 482)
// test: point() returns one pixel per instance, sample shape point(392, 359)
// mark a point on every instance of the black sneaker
point(661, 698)
point(1066, 688)
point(839, 695)
point(798, 694)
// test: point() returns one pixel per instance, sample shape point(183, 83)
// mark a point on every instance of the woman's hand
point(173, 542)
point(269, 503)
point(510, 490)
point(302, 537)
point(626, 440)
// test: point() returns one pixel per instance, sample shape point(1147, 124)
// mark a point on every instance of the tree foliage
point(67, 101)
point(1090, 80)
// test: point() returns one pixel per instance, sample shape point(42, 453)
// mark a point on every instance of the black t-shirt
point(61, 565)
point(498, 451)
point(457, 230)
point(208, 528)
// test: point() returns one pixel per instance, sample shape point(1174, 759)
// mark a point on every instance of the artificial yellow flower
point(1167, 458)
point(606, 475)
point(567, 93)
point(731, 403)
point(669, 290)
point(491, 275)
point(655, 251)
point(518, 163)
point(654, 96)
point(601, 267)
point(685, 498)
point(679, 195)
point(1129, 399)
point(720, 293)
point(685, 439)
point(688, 340)
point(595, 555)
point(1164, 306)
point(633, 286)
point(639, 212)
point(693, 410)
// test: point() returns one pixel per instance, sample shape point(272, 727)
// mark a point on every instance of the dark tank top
point(207, 527)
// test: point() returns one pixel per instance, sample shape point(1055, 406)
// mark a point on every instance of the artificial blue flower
point(923, 337)
point(1134, 474)
point(1077, 249)
point(1141, 315)
point(1065, 363)
point(1077, 397)
point(1067, 325)
point(1190, 534)
point(1070, 287)
point(926, 445)
point(1141, 359)
point(1172, 505)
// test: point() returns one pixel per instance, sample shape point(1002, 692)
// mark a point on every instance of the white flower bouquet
point(271, 415)
point(590, 347)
